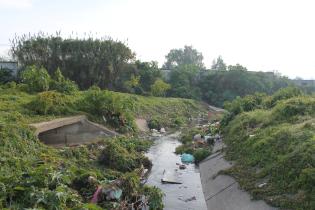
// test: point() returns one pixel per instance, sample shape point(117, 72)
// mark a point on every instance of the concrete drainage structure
point(70, 131)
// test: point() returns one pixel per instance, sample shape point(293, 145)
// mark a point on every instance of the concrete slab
point(69, 131)
point(223, 192)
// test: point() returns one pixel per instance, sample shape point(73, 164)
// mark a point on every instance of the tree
point(186, 56)
point(237, 67)
point(218, 64)
point(184, 81)
point(86, 61)
point(159, 88)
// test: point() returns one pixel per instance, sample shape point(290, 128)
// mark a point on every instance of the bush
point(155, 197)
point(119, 158)
point(285, 110)
point(37, 79)
point(115, 109)
point(5, 75)
point(61, 84)
point(154, 123)
point(200, 154)
point(159, 88)
point(51, 102)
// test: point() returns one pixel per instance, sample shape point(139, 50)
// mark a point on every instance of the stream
point(185, 196)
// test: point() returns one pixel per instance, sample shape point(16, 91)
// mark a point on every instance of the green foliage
point(220, 86)
point(51, 102)
point(155, 197)
point(117, 110)
point(186, 56)
point(159, 88)
point(283, 93)
point(86, 61)
point(155, 123)
point(37, 79)
point(275, 146)
point(117, 156)
point(183, 80)
point(61, 84)
point(237, 67)
point(200, 154)
point(5, 76)
point(261, 101)
point(218, 64)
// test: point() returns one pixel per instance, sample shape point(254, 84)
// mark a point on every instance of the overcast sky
point(263, 35)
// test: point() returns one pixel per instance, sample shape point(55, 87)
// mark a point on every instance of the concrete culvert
point(70, 131)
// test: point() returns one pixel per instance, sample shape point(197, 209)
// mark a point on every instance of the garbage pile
point(198, 141)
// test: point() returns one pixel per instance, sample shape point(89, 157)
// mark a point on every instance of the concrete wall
point(73, 134)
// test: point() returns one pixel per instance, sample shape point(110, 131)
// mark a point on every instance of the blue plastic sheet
point(187, 158)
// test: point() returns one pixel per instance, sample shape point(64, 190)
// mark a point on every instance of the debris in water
point(169, 178)
point(182, 166)
point(191, 199)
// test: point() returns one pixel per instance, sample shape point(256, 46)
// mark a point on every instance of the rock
point(197, 137)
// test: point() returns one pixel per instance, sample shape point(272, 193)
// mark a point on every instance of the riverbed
point(185, 196)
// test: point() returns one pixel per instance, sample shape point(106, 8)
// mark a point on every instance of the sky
point(262, 35)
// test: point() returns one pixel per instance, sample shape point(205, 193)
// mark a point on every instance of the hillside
point(272, 141)
point(33, 175)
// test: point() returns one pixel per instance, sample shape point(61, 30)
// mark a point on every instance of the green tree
point(186, 56)
point(86, 61)
point(159, 88)
point(184, 81)
point(237, 67)
point(218, 64)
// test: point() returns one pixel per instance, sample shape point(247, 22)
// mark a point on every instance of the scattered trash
point(197, 137)
point(191, 199)
point(261, 185)
point(187, 158)
point(96, 194)
point(156, 133)
point(165, 181)
point(169, 178)
point(162, 130)
point(112, 193)
point(182, 166)
point(252, 135)
point(92, 180)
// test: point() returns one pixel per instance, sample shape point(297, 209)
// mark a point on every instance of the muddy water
point(187, 195)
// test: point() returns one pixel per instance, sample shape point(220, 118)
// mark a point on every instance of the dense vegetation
point(33, 175)
point(272, 140)
point(111, 65)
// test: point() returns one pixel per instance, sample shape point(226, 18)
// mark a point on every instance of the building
point(10, 65)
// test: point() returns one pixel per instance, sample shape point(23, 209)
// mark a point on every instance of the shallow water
point(163, 158)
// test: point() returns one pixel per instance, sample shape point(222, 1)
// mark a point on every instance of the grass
point(275, 146)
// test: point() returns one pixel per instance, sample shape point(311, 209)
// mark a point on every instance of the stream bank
point(185, 196)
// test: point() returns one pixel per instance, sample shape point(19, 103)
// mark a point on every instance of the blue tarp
point(187, 158)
